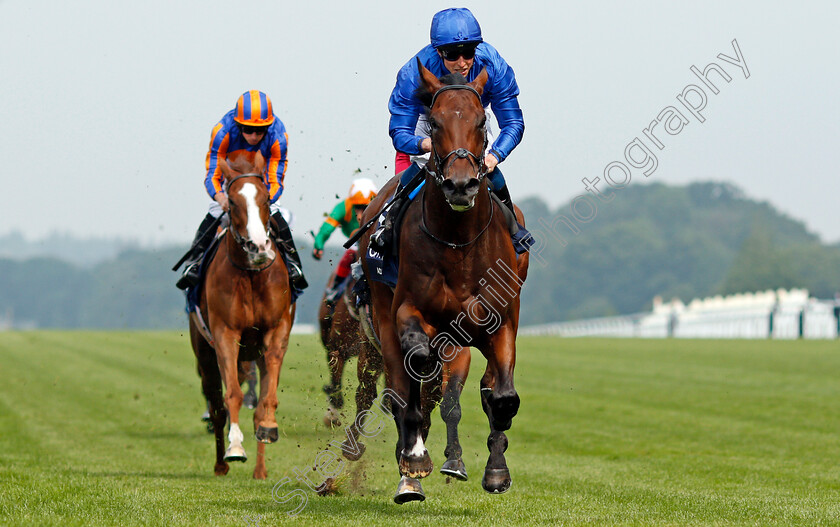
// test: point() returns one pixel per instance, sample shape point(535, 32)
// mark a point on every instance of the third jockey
point(346, 215)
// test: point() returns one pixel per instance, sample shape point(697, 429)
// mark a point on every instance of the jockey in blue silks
point(456, 47)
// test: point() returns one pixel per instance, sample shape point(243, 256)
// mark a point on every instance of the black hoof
point(409, 489)
point(267, 435)
point(496, 480)
point(454, 468)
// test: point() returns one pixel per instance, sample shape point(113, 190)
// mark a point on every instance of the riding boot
point(504, 195)
point(383, 236)
point(500, 189)
point(283, 239)
point(202, 240)
point(335, 290)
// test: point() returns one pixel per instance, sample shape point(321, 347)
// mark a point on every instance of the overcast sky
point(107, 107)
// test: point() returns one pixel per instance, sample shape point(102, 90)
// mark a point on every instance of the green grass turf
point(102, 428)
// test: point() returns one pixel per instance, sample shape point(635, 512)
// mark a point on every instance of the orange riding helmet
point(362, 191)
point(253, 108)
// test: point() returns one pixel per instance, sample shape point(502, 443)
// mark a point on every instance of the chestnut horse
point(246, 303)
point(458, 286)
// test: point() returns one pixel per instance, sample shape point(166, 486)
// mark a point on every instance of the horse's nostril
point(472, 185)
point(447, 186)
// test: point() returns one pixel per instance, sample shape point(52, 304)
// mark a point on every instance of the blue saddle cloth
point(383, 267)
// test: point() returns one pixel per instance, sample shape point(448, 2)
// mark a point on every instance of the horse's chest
point(470, 312)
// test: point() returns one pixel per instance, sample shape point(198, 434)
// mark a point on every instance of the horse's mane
point(451, 79)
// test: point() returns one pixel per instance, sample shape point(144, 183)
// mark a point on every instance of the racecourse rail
point(781, 314)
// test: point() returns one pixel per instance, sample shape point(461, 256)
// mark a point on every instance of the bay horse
point(347, 333)
point(458, 286)
point(342, 337)
point(246, 303)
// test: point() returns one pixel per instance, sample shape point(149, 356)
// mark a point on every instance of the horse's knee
point(414, 342)
point(504, 406)
point(415, 347)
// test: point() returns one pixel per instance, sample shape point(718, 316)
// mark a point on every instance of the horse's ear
point(480, 81)
point(259, 163)
point(226, 170)
point(427, 78)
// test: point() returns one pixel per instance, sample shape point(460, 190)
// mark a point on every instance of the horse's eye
point(434, 125)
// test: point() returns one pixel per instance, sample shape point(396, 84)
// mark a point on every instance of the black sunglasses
point(452, 53)
point(253, 129)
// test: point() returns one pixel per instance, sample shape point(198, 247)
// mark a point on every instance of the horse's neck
point(456, 227)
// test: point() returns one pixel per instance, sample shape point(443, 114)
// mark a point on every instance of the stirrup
point(190, 276)
point(296, 278)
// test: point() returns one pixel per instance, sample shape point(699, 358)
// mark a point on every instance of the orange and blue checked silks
point(226, 141)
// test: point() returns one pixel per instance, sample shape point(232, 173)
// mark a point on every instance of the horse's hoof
point(267, 435)
point(409, 489)
point(206, 416)
point(260, 474)
point(496, 480)
point(250, 400)
point(331, 418)
point(416, 466)
point(235, 453)
point(347, 450)
point(454, 468)
point(221, 469)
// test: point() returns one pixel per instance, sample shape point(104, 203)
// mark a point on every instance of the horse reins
point(451, 245)
point(238, 238)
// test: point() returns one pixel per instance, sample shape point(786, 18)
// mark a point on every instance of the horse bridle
point(240, 240)
point(459, 153)
point(440, 165)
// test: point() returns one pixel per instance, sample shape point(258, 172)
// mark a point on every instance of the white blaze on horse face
point(419, 448)
point(235, 436)
point(255, 228)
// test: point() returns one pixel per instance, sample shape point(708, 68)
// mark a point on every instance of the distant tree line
point(685, 242)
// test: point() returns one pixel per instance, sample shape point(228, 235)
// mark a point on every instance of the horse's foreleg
point(414, 460)
point(369, 368)
point(398, 382)
point(227, 354)
point(265, 421)
point(500, 402)
point(455, 375)
point(211, 386)
point(335, 360)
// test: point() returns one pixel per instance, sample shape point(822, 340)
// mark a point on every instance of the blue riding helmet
point(456, 25)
